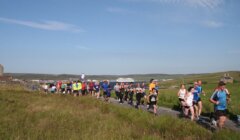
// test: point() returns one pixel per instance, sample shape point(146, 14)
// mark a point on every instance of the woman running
point(152, 99)
point(189, 103)
point(181, 95)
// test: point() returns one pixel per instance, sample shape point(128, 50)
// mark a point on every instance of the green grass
point(168, 97)
point(32, 115)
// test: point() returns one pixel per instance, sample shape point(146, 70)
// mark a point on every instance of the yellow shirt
point(151, 86)
point(74, 86)
point(79, 85)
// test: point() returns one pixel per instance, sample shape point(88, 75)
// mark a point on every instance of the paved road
point(204, 121)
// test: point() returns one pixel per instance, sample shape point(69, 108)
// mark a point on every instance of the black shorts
point(199, 100)
point(220, 113)
point(153, 103)
point(195, 103)
point(75, 92)
point(181, 100)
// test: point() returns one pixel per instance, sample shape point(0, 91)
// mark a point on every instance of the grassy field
point(33, 115)
point(168, 96)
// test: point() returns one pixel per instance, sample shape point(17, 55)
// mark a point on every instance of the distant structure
point(4, 78)
point(128, 80)
point(1, 70)
point(227, 78)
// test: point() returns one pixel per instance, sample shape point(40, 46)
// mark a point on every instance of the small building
point(227, 78)
point(125, 80)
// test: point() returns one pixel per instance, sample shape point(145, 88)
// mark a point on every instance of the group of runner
point(191, 103)
point(190, 99)
point(126, 92)
point(76, 88)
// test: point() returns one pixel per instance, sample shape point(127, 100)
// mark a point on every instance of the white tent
point(125, 80)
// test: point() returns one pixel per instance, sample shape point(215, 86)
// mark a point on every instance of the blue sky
point(119, 36)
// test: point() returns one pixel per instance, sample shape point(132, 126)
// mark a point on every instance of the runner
point(63, 88)
point(84, 88)
point(219, 99)
point(97, 89)
point(53, 88)
point(75, 88)
point(91, 86)
point(117, 91)
point(122, 91)
point(126, 87)
point(79, 86)
point(196, 99)
point(105, 89)
point(200, 90)
point(108, 92)
point(45, 87)
point(152, 99)
point(143, 93)
point(69, 87)
point(139, 95)
point(189, 103)
point(181, 95)
point(131, 93)
point(58, 86)
point(152, 86)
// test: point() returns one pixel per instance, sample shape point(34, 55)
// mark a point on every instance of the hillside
point(32, 115)
point(138, 77)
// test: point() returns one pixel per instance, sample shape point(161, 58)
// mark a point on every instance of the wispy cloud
point(193, 3)
point(119, 10)
point(205, 3)
point(45, 25)
point(212, 24)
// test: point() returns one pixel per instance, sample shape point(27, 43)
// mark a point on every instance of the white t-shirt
point(189, 100)
point(182, 93)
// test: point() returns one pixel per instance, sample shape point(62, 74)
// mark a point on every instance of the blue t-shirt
point(196, 93)
point(105, 87)
point(97, 88)
point(221, 97)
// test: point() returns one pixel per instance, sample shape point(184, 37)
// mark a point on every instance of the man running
point(196, 99)
point(219, 99)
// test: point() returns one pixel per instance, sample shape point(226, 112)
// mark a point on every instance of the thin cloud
point(193, 3)
point(212, 24)
point(205, 3)
point(45, 25)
